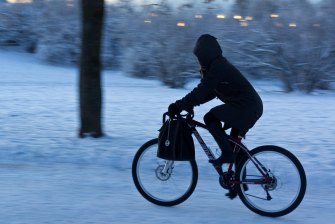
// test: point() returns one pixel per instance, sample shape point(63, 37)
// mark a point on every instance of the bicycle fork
point(167, 167)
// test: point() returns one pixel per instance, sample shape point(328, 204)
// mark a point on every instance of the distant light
point(316, 25)
point(220, 16)
point(198, 16)
point(244, 23)
point(274, 15)
point(238, 17)
point(249, 18)
point(147, 21)
point(19, 1)
point(153, 14)
point(292, 25)
point(181, 24)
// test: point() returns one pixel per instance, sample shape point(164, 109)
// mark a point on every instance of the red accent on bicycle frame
point(230, 168)
point(238, 140)
point(248, 182)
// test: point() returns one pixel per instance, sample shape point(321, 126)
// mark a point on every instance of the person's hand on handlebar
point(173, 110)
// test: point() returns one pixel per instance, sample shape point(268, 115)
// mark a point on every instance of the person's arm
point(203, 93)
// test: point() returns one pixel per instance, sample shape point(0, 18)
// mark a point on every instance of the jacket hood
point(207, 49)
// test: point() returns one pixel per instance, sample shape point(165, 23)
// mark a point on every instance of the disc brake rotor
point(161, 175)
point(272, 185)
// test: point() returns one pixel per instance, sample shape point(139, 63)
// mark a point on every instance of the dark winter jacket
point(221, 79)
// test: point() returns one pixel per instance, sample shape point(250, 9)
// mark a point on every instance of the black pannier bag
point(175, 141)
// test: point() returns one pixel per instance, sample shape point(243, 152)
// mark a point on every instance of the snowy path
point(66, 193)
point(47, 175)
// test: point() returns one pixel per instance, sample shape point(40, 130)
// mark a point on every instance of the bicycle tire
point(152, 145)
point(296, 168)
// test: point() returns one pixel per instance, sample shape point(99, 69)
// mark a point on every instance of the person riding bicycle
point(242, 105)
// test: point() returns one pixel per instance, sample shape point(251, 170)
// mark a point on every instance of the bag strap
point(167, 141)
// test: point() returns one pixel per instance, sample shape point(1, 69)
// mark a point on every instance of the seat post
point(237, 134)
point(234, 133)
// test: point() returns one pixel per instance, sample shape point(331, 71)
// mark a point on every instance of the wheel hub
point(161, 175)
point(272, 184)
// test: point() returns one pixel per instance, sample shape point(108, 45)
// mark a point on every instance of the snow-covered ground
point(48, 175)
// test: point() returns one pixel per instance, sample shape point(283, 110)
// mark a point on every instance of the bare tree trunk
point(90, 91)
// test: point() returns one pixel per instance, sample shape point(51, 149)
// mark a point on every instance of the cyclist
point(242, 105)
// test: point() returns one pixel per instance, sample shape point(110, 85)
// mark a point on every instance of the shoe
point(231, 194)
point(224, 158)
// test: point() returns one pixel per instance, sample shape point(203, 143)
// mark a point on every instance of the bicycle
point(269, 180)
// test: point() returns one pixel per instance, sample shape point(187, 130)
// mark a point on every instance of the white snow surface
point(48, 175)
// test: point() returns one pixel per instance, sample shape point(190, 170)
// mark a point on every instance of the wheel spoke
point(265, 199)
point(160, 181)
point(281, 191)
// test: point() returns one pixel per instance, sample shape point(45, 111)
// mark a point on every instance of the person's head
point(207, 49)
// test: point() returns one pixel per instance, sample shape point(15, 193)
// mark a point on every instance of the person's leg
point(215, 128)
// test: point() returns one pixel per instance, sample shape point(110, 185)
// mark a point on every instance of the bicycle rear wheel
point(283, 193)
point(163, 182)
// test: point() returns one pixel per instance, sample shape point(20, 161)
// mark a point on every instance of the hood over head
point(207, 49)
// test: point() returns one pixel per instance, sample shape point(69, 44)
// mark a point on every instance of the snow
point(48, 175)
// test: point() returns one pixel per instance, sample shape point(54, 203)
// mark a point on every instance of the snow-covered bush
point(162, 48)
point(286, 40)
point(59, 33)
point(17, 27)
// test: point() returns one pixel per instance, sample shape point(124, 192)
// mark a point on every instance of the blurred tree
point(290, 45)
point(90, 91)
point(325, 28)
point(163, 45)
point(58, 28)
point(17, 26)
point(241, 7)
point(117, 31)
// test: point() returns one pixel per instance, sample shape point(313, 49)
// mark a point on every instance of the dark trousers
point(214, 127)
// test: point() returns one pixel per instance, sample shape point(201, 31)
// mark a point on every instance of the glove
point(174, 109)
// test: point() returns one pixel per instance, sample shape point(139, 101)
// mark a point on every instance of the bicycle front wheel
point(163, 182)
point(286, 188)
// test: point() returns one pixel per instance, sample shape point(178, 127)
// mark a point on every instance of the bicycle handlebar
point(189, 115)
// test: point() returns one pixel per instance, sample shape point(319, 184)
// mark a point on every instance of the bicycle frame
point(238, 146)
point(256, 176)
